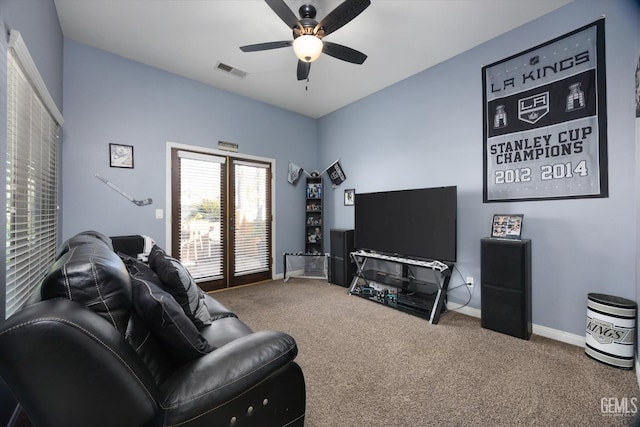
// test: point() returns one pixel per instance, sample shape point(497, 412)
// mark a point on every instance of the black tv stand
point(413, 286)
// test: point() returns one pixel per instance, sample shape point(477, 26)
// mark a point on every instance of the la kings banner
point(545, 132)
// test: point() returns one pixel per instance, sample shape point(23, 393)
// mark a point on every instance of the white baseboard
point(555, 334)
point(543, 331)
point(466, 310)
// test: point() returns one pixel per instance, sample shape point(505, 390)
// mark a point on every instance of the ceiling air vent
point(232, 70)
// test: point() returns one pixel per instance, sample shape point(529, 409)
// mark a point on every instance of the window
point(33, 123)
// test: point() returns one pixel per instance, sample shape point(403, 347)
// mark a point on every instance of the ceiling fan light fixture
point(307, 48)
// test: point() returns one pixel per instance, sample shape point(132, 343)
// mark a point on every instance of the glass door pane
point(201, 219)
point(252, 222)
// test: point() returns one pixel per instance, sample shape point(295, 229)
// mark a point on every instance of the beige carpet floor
point(369, 365)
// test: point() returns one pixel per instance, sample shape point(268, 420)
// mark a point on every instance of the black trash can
point(611, 329)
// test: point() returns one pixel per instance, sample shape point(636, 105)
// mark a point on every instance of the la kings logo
point(533, 108)
point(608, 333)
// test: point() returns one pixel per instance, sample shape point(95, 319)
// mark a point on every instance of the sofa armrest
point(68, 366)
point(222, 375)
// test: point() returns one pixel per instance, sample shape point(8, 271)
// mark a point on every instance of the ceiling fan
point(307, 33)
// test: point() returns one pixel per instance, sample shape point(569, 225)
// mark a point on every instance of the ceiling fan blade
point(341, 15)
point(343, 52)
point(282, 10)
point(265, 46)
point(303, 70)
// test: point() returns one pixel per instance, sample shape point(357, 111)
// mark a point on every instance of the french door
point(221, 218)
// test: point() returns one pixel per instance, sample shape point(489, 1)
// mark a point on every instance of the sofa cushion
point(225, 330)
point(164, 316)
point(150, 349)
point(90, 273)
point(177, 281)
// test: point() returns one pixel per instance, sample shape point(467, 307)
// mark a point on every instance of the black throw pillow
point(177, 281)
point(164, 316)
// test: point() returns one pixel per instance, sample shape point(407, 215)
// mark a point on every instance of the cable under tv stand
point(410, 285)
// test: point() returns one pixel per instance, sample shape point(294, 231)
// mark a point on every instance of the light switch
point(159, 214)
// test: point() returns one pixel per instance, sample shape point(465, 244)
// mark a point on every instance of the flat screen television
point(418, 223)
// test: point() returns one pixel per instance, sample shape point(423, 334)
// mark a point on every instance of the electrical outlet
point(470, 281)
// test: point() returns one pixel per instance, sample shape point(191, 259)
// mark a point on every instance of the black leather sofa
point(80, 353)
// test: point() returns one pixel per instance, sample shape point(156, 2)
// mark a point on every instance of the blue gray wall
point(426, 131)
point(109, 99)
point(38, 23)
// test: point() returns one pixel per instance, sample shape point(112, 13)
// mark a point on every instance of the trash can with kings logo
point(611, 328)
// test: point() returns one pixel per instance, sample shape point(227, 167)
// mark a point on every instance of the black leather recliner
point(78, 355)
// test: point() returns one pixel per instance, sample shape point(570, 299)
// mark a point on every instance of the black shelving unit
point(313, 218)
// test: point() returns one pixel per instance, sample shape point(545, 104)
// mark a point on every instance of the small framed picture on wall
point(349, 197)
point(121, 156)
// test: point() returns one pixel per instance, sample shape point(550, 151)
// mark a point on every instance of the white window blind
point(252, 217)
point(33, 123)
point(201, 221)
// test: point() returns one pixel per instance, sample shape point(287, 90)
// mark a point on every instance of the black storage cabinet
point(506, 286)
point(341, 268)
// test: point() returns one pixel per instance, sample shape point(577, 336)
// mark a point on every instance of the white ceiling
point(190, 38)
